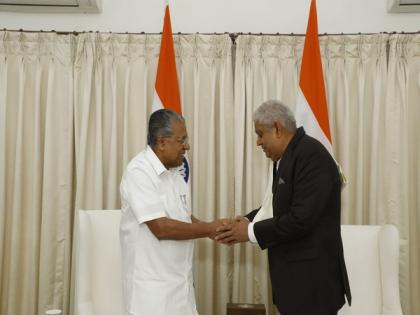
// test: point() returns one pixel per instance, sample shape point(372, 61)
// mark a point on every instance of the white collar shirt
point(157, 274)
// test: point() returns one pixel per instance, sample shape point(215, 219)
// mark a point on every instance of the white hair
point(273, 111)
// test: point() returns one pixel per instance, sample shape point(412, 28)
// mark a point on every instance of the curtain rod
point(233, 36)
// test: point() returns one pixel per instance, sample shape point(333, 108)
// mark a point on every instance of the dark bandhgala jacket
point(305, 251)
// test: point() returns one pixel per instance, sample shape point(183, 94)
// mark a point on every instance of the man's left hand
point(234, 232)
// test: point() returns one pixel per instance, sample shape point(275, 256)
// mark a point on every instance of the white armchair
point(372, 258)
point(371, 253)
point(98, 281)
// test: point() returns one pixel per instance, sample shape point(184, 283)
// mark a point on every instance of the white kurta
point(158, 278)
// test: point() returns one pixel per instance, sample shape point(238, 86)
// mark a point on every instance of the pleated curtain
point(74, 111)
point(401, 171)
point(36, 171)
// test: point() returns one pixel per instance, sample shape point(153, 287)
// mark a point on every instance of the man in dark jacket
point(303, 238)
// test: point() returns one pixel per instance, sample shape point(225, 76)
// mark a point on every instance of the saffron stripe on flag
point(166, 86)
point(311, 107)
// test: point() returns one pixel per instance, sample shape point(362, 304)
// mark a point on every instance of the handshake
point(229, 231)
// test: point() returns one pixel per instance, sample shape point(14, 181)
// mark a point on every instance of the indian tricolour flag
point(311, 107)
point(166, 86)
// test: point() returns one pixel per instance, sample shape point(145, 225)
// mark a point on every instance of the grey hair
point(160, 125)
point(273, 111)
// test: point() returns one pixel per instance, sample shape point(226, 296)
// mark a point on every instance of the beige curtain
point(114, 86)
point(113, 91)
point(355, 70)
point(36, 171)
point(74, 109)
point(206, 83)
point(85, 100)
point(266, 67)
point(402, 166)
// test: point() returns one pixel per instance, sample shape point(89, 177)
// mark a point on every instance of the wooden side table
point(245, 309)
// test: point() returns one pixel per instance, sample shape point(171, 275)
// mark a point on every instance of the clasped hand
point(233, 231)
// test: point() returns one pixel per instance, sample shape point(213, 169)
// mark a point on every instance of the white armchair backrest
point(98, 281)
point(371, 254)
point(372, 257)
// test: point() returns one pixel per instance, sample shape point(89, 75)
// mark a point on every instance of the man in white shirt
point(157, 227)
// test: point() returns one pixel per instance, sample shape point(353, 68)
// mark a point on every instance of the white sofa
point(371, 253)
point(372, 258)
point(98, 281)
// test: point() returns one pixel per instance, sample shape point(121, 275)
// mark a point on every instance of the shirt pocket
point(174, 208)
point(164, 199)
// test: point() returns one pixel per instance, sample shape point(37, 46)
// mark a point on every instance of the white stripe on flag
point(306, 118)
